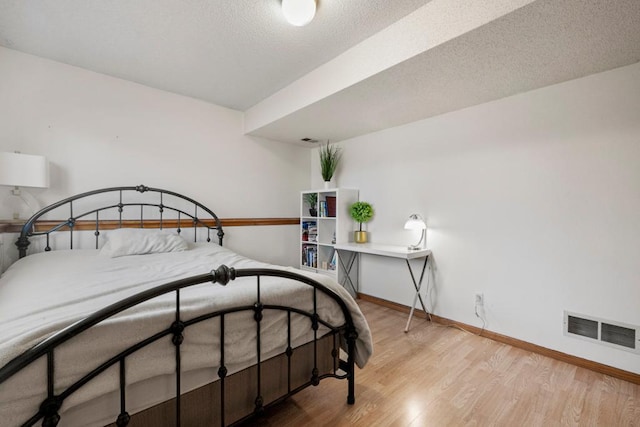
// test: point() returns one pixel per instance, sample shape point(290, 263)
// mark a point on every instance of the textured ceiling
point(358, 67)
point(232, 53)
point(542, 43)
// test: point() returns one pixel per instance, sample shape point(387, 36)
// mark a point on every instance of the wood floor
point(439, 376)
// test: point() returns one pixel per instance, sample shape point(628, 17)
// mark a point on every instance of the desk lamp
point(416, 222)
point(23, 170)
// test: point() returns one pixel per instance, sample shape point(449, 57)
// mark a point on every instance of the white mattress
point(45, 292)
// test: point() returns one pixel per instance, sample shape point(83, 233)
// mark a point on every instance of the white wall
point(99, 131)
point(533, 200)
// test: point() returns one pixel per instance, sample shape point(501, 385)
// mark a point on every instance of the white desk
point(402, 252)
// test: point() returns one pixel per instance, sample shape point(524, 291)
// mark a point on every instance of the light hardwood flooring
point(440, 376)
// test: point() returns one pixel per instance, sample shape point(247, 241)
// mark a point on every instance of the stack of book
point(309, 231)
point(313, 233)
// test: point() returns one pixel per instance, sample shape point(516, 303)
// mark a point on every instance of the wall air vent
point(618, 335)
point(583, 327)
point(606, 332)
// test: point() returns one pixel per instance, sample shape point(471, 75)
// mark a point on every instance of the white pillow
point(139, 241)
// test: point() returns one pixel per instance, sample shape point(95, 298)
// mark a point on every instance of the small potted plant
point(361, 212)
point(329, 158)
point(312, 200)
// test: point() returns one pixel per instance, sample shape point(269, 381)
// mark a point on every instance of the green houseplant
point(361, 212)
point(329, 158)
point(312, 200)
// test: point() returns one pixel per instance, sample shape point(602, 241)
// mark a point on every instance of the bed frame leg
point(351, 398)
point(351, 336)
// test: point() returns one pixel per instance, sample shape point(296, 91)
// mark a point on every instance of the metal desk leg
point(347, 270)
point(417, 286)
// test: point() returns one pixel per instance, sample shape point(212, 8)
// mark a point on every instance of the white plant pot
point(330, 184)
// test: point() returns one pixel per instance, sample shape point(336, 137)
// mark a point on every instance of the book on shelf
point(309, 256)
point(331, 206)
point(333, 259)
point(323, 209)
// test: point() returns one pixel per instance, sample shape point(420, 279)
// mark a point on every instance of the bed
point(134, 313)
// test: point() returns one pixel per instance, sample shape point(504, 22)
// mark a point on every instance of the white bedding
point(45, 292)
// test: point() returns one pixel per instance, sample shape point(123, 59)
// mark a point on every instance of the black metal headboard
point(91, 217)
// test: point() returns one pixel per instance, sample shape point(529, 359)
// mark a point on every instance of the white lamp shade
point(298, 12)
point(415, 222)
point(24, 170)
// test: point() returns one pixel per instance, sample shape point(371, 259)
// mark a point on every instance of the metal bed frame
point(28, 230)
point(342, 335)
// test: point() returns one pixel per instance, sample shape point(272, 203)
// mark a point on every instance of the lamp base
point(23, 197)
point(421, 243)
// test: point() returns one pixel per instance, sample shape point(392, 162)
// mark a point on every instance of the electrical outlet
point(479, 299)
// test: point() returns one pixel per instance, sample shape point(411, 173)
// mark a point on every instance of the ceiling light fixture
point(298, 12)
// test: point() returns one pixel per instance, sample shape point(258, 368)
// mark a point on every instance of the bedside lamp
point(23, 170)
point(416, 222)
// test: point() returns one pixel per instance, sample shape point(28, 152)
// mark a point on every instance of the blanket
point(46, 292)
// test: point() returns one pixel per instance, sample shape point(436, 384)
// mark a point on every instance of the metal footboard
point(344, 334)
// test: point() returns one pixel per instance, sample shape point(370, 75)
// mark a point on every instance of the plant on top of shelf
point(361, 212)
point(312, 201)
point(330, 155)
